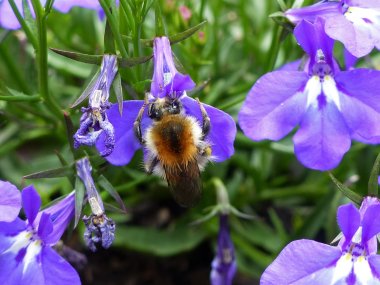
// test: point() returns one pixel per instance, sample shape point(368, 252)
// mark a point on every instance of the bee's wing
point(185, 183)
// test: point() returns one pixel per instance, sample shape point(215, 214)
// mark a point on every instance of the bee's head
point(166, 106)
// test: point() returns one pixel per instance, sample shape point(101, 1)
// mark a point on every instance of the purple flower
point(167, 83)
point(224, 264)
point(330, 106)
point(94, 120)
point(353, 261)
point(99, 228)
point(355, 23)
point(9, 21)
point(10, 202)
point(26, 256)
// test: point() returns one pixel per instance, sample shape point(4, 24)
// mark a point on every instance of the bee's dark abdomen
point(185, 183)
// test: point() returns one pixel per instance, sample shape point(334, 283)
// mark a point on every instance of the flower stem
point(42, 59)
point(114, 27)
point(29, 34)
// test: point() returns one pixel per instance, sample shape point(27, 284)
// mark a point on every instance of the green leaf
point(109, 41)
point(106, 185)
point(86, 58)
point(159, 242)
point(373, 184)
point(8, 94)
point(52, 173)
point(132, 61)
point(282, 5)
point(346, 191)
point(160, 27)
point(87, 91)
point(79, 200)
point(119, 92)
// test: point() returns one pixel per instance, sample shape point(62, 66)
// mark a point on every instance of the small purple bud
point(94, 120)
point(99, 228)
point(224, 264)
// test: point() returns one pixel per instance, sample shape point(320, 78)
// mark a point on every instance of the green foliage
point(224, 56)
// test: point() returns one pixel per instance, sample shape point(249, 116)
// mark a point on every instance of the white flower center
point(167, 78)
point(321, 88)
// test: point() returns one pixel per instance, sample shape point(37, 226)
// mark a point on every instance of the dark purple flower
point(167, 82)
point(330, 106)
point(9, 21)
point(99, 228)
point(10, 202)
point(224, 264)
point(94, 120)
point(355, 23)
point(26, 256)
point(353, 261)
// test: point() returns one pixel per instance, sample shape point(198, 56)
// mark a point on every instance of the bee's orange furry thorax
point(174, 140)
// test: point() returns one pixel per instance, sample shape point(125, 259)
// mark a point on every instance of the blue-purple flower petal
point(348, 220)
point(371, 222)
point(222, 128)
point(126, 142)
point(274, 105)
point(299, 260)
point(31, 202)
point(322, 139)
point(10, 202)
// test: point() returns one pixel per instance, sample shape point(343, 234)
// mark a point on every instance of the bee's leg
point(205, 119)
point(152, 165)
point(137, 123)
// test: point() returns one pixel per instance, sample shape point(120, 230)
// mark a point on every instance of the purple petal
point(357, 41)
point(64, 6)
point(310, 13)
point(179, 84)
point(31, 202)
point(8, 231)
point(45, 226)
point(10, 201)
point(322, 139)
point(222, 128)
point(274, 105)
point(349, 60)
point(368, 201)
point(8, 19)
point(364, 3)
point(126, 142)
point(360, 104)
point(301, 259)
point(371, 223)
point(57, 270)
point(291, 66)
point(60, 215)
point(312, 38)
point(374, 263)
point(348, 220)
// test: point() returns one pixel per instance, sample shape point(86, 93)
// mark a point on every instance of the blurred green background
point(239, 43)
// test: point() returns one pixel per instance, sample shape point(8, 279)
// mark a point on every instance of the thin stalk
point(115, 28)
point(274, 49)
point(42, 62)
point(13, 69)
point(25, 27)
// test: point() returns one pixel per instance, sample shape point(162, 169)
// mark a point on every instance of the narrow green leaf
point(119, 92)
point(373, 184)
point(87, 91)
point(109, 41)
point(70, 133)
point(132, 61)
point(51, 173)
point(79, 200)
point(297, 3)
point(21, 98)
point(282, 5)
point(184, 35)
point(346, 191)
point(106, 185)
point(86, 58)
point(160, 27)
point(277, 14)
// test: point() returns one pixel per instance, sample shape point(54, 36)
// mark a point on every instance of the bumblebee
point(175, 147)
